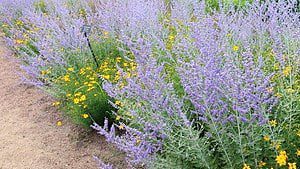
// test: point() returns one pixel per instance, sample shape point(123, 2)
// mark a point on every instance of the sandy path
point(29, 137)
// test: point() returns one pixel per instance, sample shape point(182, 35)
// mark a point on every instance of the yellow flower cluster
point(109, 71)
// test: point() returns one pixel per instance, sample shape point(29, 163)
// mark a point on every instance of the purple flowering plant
point(189, 84)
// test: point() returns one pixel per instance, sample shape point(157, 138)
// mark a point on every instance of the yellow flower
point(44, 72)
point(171, 37)
point(56, 103)
point(287, 70)
point(235, 48)
point(266, 138)
point(59, 123)
point(106, 77)
point(292, 166)
point(85, 116)
point(298, 152)
point(125, 64)
point(19, 41)
point(121, 127)
point(82, 98)
point(279, 95)
point(121, 85)
point(105, 33)
point(261, 164)
point(67, 78)
point(118, 118)
point(78, 94)
point(138, 140)
point(128, 75)
point(76, 100)
point(68, 95)
point(4, 25)
point(290, 90)
point(273, 123)
point(70, 69)
point(276, 145)
point(19, 23)
point(118, 103)
point(270, 89)
point(118, 59)
point(90, 88)
point(246, 166)
point(281, 158)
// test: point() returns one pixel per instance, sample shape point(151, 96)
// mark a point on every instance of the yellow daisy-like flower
point(246, 166)
point(78, 94)
point(298, 152)
point(270, 89)
point(273, 123)
point(235, 48)
point(121, 127)
point(76, 100)
point(287, 70)
point(278, 95)
point(82, 98)
point(67, 78)
point(290, 90)
point(281, 158)
point(59, 123)
point(267, 138)
point(19, 41)
point(118, 118)
point(261, 164)
point(106, 77)
point(85, 116)
point(292, 165)
point(68, 95)
point(276, 145)
point(118, 59)
point(70, 69)
point(118, 103)
point(105, 33)
point(138, 140)
point(56, 103)
point(125, 64)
